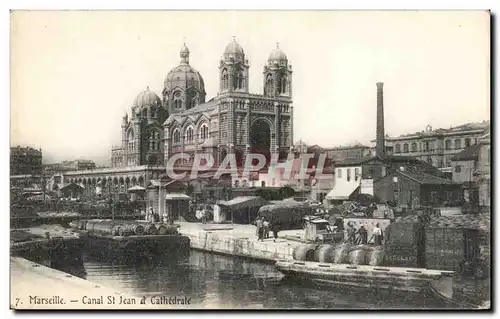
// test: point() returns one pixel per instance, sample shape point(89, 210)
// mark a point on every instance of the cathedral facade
point(234, 122)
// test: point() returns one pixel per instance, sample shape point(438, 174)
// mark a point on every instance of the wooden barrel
point(304, 252)
point(150, 229)
point(340, 255)
point(325, 253)
point(134, 229)
point(167, 230)
point(356, 257)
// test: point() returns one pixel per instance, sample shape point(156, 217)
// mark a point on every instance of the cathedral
point(234, 122)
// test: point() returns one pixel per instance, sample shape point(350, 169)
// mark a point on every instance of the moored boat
point(130, 239)
point(392, 278)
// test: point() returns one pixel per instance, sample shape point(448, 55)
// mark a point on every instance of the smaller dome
point(277, 55)
point(146, 98)
point(234, 48)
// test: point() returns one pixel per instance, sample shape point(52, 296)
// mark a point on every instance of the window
point(339, 173)
point(131, 140)
point(225, 79)
point(348, 174)
point(405, 148)
point(458, 169)
point(263, 184)
point(238, 80)
point(398, 148)
point(429, 160)
point(467, 142)
point(283, 84)
point(177, 136)
point(356, 174)
point(447, 145)
point(414, 147)
point(458, 144)
point(269, 84)
point(189, 135)
point(204, 132)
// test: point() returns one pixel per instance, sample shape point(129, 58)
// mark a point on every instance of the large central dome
point(184, 75)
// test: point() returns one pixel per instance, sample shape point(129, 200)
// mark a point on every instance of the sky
point(74, 74)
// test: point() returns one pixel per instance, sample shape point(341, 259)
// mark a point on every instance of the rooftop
point(469, 154)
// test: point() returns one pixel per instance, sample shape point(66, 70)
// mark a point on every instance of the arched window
point(131, 140)
point(356, 174)
point(269, 84)
point(238, 80)
point(189, 135)
point(447, 145)
point(204, 132)
point(225, 79)
point(154, 143)
point(283, 84)
point(348, 174)
point(153, 112)
point(414, 147)
point(458, 144)
point(467, 142)
point(339, 173)
point(144, 113)
point(458, 169)
point(398, 148)
point(405, 148)
point(177, 136)
point(429, 160)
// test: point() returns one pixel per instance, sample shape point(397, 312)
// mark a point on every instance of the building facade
point(25, 161)
point(181, 121)
point(437, 146)
point(484, 172)
point(235, 121)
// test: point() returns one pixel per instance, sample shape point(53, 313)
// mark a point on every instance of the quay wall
point(227, 243)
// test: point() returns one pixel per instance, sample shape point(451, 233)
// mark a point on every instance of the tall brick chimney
point(380, 147)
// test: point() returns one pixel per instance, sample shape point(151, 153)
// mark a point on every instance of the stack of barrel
point(404, 243)
point(122, 227)
point(444, 247)
point(340, 254)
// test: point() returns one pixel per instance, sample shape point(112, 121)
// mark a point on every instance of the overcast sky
point(74, 74)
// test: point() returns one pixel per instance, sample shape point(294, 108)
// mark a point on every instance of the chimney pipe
point(380, 147)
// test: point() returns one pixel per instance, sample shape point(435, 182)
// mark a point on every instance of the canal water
point(214, 281)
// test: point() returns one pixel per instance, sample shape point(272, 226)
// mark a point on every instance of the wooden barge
point(392, 278)
point(130, 239)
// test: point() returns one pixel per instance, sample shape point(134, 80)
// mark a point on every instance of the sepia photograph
point(250, 160)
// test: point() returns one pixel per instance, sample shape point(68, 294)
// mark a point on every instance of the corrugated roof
point(469, 154)
point(426, 179)
point(354, 161)
point(480, 222)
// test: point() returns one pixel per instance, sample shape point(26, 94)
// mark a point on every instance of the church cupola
point(233, 69)
point(277, 74)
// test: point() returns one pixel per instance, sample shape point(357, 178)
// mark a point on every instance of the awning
point(342, 191)
point(177, 196)
point(136, 188)
point(71, 185)
point(241, 202)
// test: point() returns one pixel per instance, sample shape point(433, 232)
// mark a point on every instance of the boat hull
point(133, 247)
point(391, 278)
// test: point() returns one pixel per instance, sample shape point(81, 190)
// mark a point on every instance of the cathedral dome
point(234, 48)
point(184, 75)
point(146, 98)
point(277, 55)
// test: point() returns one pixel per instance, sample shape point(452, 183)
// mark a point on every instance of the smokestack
point(380, 147)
